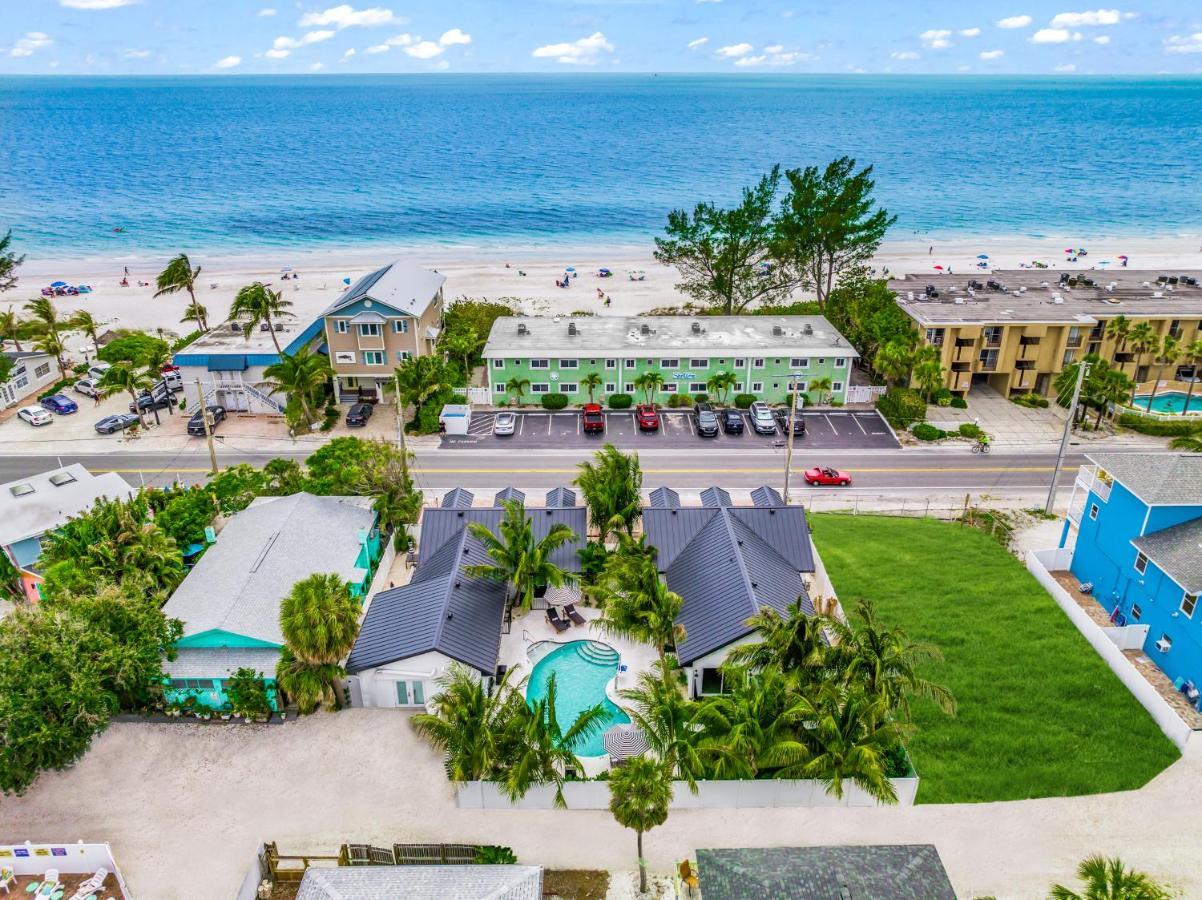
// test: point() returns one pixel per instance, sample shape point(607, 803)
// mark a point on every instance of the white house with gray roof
point(484, 882)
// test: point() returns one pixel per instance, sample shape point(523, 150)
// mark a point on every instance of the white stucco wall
point(376, 687)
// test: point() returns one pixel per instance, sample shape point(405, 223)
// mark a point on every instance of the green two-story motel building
point(764, 353)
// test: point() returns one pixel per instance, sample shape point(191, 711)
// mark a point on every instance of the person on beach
point(930, 249)
point(608, 300)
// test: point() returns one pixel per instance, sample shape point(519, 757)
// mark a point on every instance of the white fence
point(478, 395)
point(749, 794)
point(1041, 564)
point(864, 393)
point(69, 859)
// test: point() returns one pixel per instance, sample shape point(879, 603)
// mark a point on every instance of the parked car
point(119, 422)
point(98, 369)
point(761, 418)
point(357, 415)
point(89, 387)
point(707, 420)
point(799, 422)
point(173, 379)
point(647, 416)
point(504, 423)
point(35, 415)
point(156, 399)
point(593, 420)
point(61, 404)
point(732, 421)
point(823, 475)
point(196, 424)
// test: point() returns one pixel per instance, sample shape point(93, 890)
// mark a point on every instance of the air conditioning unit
point(1164, 645)
point(522, 329)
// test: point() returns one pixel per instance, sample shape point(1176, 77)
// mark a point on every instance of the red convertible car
point(825, 475)
point(647, 417)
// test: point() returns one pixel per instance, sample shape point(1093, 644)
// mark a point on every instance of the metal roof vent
point(807, 329)
point(777, 331)
point(522, 329)
point(22, 490)
point(645, 329)
point(571, 328)
point(696, 328)
point(58, 479)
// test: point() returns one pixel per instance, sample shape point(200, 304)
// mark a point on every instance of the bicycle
point(980, 447)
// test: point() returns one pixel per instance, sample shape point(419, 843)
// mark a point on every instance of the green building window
point(569, 363)
point(669, 363)
point(540, 363)
point(699, 363)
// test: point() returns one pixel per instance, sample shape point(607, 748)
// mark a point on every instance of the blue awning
point(227, 363)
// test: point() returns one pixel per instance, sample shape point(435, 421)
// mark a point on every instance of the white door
point(410, 693)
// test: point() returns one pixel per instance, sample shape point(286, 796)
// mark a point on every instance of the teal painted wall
point(218, 638)
point(211, 692)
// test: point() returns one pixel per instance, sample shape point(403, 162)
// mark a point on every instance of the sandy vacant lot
point(185, 806)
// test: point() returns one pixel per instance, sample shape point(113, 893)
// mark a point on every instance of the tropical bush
point(902, 406)
point(493, 855)
point(184, 512)
point(958, 402)
point(744, 401)
point(1031, 401)
point(554, 401)
point(925, 432)
point(248, 694)
point(466, 324)
point(676, 401)
point(134, 347)
point(619, 401)
point(970, 430)
point(1159, 427)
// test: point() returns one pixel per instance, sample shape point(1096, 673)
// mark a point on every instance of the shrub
point(700, 398)
point(925, 432)
point(492, 855)
point(55, 388)
point(678, 400)
point(942, 397)
point(1159, 427)
point(555, 401)
point(836, 403)
point(619, 401)
point(248, 694)
point(135, 347)
point(80, 368)
point(187, 339)
point(959, 403)
point(901, 407)
point(1030, 401)
point(743, 401)
point(969, 430)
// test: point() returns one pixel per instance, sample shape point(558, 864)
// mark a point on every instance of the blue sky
point(881, 36)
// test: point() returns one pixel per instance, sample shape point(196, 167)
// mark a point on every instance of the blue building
point(1138, 518)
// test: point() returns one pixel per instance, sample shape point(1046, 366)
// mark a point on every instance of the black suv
point(148, 400)
point(196, 424)
point(357, 415)
point(782, 419)
point(707, 420)
point(732, 421)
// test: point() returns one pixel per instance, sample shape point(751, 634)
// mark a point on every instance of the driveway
point(185, 806)
point(825, 430)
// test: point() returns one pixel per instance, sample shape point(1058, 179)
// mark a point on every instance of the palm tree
point(649, 383)
point(822, 388)
point(794, 643)
point(461, 343)
point(892, 362)
point(928, 377)
point(1167, 354)
point(196, 312)
point(1142, 339)
point(640, 793)
point(637, 603)
point(753, 727)
point(1113, 387)
point(50, 343)
point(611, 484)
point(123, 377)
point(721, 384)
point(668, 719)
point(45, 316)
point(418, 379)
point(515, 387)
point(1118, 329)
point(319, 620)
point(1190, 443)
point(10, 327)
point(82, 320)
point(179, 276)
point(1108, 879)
point(257, 303)
point(300, 376)
point(591, 382)
point(1192, 354)
point(517, 558)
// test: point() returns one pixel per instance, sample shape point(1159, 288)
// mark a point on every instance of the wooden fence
point(290, 869)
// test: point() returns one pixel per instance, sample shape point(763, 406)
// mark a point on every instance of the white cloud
point(584, 51)
point(1184, 43)
point(774, 48)
point(1051, 36)
point(94, 4)
point(936, 38)
point(33, 40)
point(1086, 19)
point(905, 55)
point(228, 62)
point(277, 54)
point(266, 13)
point(1102, 39)
point(1014, 22)
point(453, 37)
point(970, 32)
point(425, 50)
point(700, 42)
point(991, 54)
point(346, 16)
point(773, 57)
point(136, 54)
point(733, 51)
point(349, 53)
point(378, 48)
point(311, 37)
point(317, 67)
point(1065, 67)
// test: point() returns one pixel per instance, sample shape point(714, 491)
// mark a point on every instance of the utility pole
point(1082, 371)
point(400, 412)
point(789, 444)
point(204, 417)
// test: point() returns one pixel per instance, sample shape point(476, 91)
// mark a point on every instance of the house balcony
point(371, 342)
point(1089, 478)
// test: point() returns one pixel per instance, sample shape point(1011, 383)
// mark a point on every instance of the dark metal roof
point(765, 496)
point(560, 497)
point(1177, 551)
point(715, 496)
point(458, 498)
point(664, 498)
point(441, 609)
point(881, 872)
point(438, 525)
point(784, 528)
point(509, 493)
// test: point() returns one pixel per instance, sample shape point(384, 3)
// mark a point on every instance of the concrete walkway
point(185, 806)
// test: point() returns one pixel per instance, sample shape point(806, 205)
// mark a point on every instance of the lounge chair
point(553, 618)
point(570, 609)
point(49, 885)
point(7, 877)
point(90, 887)
point(688, 878)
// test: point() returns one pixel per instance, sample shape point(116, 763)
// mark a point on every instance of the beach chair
point(553, 618)
point(91, 886)
point(49, 885)
point(7, 877)
point(688, 878)
point(570, 610)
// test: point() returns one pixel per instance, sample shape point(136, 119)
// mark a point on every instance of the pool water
point(581, 670)
point(1171, 402)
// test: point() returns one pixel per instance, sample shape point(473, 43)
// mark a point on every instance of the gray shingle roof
point(402, 286)
point(48, 506)
point(665, 498)
point(715, 496)
point(509, 493)
point(218, 662)
point(261, 553)
point(438, 525)
point(458, 498)
point(1158, 479)
point(1177, 552)
point(422, 883)
point(560, 497)
point(882, 872)
point(441, 609)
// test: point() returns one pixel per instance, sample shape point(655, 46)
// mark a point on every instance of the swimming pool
point(1171, 402)
point(581, 670)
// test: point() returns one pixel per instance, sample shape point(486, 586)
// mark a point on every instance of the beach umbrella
point(346, 281)
point(940, 268)
point(1103, 262)
point(982, 256)
point(286, 269)
point(1122, 256)
point(570, 269)
point(58, 284)
point(625, 741)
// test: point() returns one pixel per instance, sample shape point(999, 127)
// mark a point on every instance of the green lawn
point(1040, 715)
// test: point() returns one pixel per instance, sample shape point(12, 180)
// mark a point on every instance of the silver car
point(35, 415)
point(761, 418)
point(89, 387)
point(504, 423)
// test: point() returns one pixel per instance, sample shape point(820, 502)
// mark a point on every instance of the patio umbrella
point(625, 741)
point(561, 596)
point(1122, 256)
point(940, 268)
point(570, 269)
point(346, 281)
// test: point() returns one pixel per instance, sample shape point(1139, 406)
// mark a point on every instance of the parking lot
point(828, 430)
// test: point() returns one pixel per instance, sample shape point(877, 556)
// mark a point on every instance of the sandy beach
point(496, 275)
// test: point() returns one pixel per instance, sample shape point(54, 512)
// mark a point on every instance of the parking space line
point(856, 419)
point(549, 418)
point(830, 423)
point(521, 423)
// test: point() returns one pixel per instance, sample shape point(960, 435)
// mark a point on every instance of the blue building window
point(1141, 563)
point(1093, 510)
point(1189, 602)
point(1136, 612)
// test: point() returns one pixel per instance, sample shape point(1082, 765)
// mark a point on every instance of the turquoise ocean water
point(250, 164)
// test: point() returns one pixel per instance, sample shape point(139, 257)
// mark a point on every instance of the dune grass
point(1040, 714)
